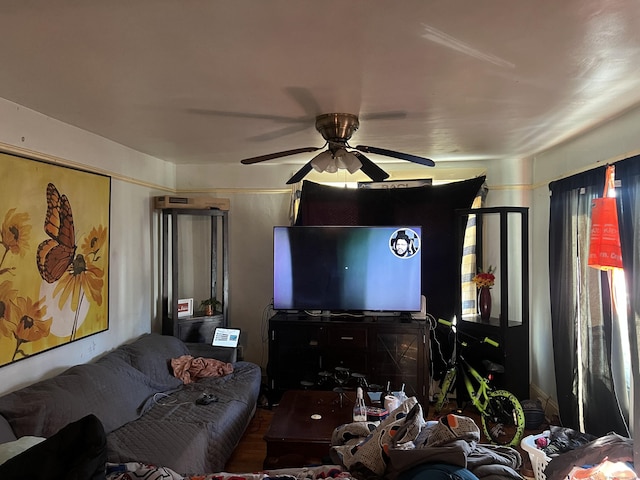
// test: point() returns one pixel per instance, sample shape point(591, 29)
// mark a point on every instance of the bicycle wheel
point(447, 384)
point(503, 419)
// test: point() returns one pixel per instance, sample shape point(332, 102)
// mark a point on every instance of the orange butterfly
point(56, 254)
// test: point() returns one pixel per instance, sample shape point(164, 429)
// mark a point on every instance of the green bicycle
point(500, 411)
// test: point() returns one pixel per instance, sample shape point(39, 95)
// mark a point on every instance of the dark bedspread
point(177, 418)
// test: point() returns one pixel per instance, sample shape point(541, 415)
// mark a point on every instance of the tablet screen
point(226, 337)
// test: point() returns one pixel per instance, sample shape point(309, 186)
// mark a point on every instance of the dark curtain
point(580, 310)
point(628, 171)
point(432, 207)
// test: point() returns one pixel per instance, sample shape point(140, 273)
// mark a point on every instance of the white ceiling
point(215, 81)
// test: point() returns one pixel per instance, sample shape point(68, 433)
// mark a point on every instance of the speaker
point(422, 314)
point(206, 203)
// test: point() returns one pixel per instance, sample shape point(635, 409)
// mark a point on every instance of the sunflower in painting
point(84, 278)
point(94, 242)
point(28, 322)
point(14, 236)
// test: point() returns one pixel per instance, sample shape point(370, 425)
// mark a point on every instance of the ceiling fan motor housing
point(337, 127)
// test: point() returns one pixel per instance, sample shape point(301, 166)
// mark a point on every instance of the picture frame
point(54, 276)
point(185, 307)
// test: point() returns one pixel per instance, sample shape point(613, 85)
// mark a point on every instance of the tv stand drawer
point(347, 337)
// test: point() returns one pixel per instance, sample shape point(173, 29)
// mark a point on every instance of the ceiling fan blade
point(300, 174)
point(370, 169)
point(392, 153)
point(271, 156)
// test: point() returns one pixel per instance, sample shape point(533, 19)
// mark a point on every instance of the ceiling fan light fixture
point(330, 162)
point(347, 160)
point(321, 162)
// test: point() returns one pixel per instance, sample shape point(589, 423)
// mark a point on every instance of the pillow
point(151, 355)
point(11, 449)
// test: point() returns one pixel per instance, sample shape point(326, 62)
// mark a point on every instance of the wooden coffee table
point(295, 438)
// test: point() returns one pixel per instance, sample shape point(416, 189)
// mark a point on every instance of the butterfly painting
point(55, 255)
point(54, 274)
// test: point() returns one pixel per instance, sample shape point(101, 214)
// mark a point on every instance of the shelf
point(198, 329)
point(492, 322)
point(501, 237)
point(195, 264)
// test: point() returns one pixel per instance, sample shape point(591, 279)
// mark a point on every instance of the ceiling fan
point(337, 129)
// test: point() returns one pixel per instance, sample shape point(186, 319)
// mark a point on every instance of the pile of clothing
point(406, 447)
point(570, 450)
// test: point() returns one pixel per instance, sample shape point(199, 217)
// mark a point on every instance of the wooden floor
point(252, 449)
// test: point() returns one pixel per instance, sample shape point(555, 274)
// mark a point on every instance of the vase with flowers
point(484, 281)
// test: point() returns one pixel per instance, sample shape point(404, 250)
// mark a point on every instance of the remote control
point(206, 399)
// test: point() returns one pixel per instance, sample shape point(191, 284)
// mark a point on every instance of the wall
point(133, 238)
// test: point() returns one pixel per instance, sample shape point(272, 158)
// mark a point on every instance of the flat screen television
point(347, 268)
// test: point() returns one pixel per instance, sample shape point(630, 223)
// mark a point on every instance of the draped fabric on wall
point(468, 268)
point(430, 206)
point(581, 317)
point(629, 217)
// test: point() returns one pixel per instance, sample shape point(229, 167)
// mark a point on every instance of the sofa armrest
point(6, 432)
point(224, 354)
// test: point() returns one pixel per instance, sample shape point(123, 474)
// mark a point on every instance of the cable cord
point(170, 403)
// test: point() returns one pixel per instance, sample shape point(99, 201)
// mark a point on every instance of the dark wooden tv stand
point(304, 349)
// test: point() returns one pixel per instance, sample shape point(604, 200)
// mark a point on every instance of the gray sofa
point(149, 415)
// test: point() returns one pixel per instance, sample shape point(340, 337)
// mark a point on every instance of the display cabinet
point(497, 236)
point(195, 265)
point(319, 352)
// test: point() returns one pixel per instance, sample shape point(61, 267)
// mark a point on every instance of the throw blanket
point(189, 369)
point(131, 471)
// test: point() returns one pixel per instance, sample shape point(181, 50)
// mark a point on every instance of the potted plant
point(210, 305)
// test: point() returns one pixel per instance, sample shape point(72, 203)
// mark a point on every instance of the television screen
point(347, 268)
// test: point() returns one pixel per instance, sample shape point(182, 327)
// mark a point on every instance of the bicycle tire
point(503, 419)
point(447, 383)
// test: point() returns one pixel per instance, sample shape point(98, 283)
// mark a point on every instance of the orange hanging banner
point(604, 247)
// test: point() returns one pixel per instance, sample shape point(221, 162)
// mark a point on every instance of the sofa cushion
point(6, 432)
point(152, 353)
point(111, 389)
